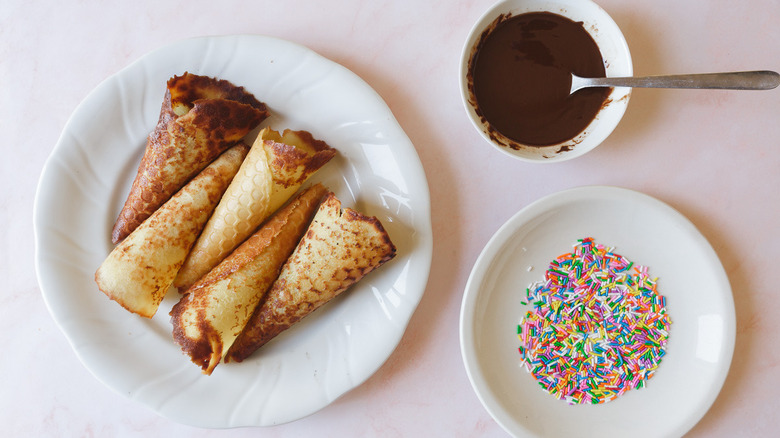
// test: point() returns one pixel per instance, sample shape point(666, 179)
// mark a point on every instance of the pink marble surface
point(713, 155)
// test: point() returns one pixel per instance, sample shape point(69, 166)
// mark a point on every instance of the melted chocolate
point(520, 78)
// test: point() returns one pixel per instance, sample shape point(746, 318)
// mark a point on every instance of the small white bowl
point(617, 62)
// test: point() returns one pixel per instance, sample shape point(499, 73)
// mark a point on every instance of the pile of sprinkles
point(598, 327)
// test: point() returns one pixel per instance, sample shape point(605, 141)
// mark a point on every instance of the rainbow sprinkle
point(598, 327)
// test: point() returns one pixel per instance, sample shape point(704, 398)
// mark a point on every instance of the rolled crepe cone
point(201, 117)
point(139, 271)
point(210, 316)
point(339, 248)
point(277, 165)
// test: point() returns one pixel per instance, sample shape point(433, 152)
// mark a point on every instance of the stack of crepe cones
point(197, 218)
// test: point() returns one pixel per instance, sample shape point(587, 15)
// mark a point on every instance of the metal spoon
point(745, 80)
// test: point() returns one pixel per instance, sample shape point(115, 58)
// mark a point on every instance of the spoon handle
point(745, 80)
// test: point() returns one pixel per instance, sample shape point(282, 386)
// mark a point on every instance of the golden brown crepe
point(201, 117)
point(338, 249)
point(210, 316)
point(139, 271)
point(277, 165)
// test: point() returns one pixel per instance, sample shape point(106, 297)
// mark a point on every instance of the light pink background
point(713, 155)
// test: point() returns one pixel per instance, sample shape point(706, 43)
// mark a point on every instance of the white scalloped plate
point(88, 175)
point(647, 232)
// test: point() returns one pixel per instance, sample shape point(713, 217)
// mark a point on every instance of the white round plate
point(88, 175)
point(647, 232)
